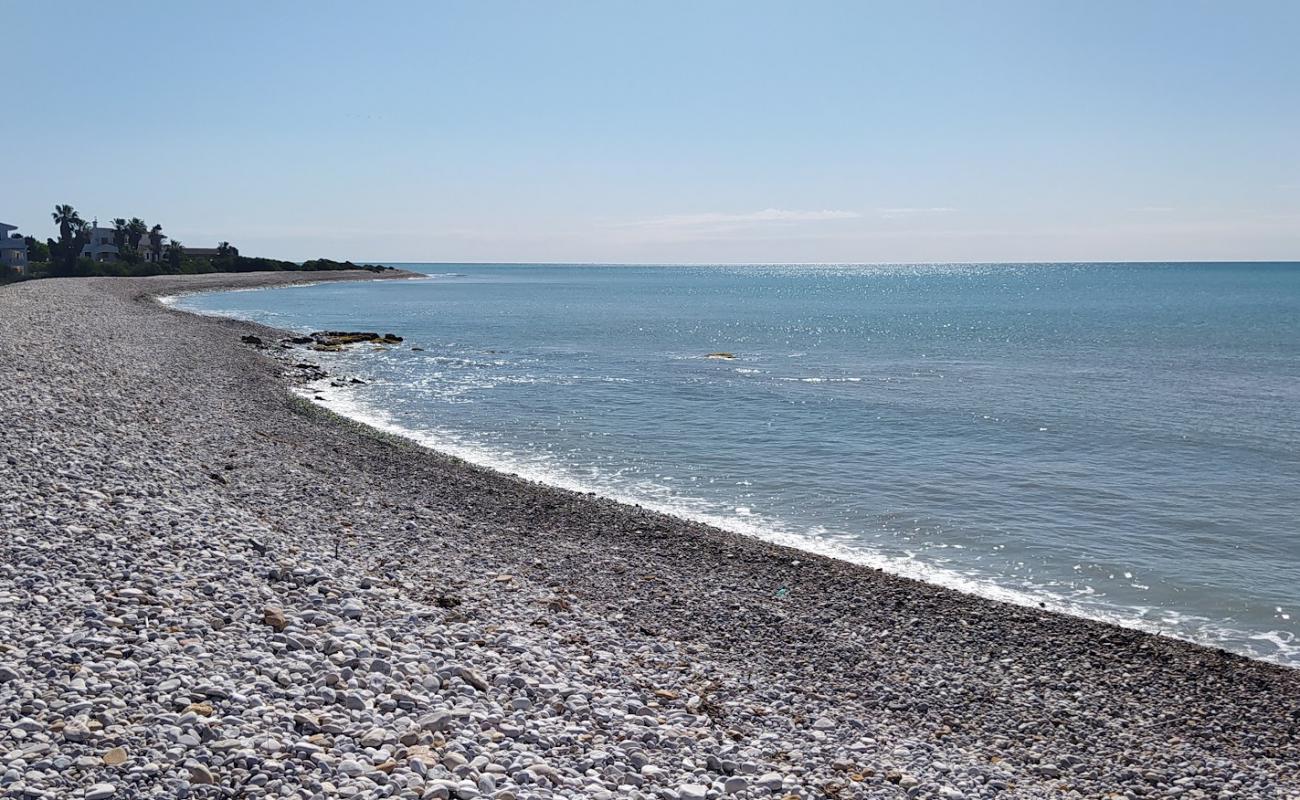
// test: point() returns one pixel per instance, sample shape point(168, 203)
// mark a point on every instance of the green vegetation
point(36, 251)
point(74, 234)
point(62, 258)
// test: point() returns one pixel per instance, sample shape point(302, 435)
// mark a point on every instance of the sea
point(1115, 441)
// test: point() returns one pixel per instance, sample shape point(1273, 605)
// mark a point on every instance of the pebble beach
point(211, 587)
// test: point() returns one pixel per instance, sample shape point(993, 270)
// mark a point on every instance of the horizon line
point(831, 263)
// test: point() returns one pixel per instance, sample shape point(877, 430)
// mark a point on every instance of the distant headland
point(130, 248)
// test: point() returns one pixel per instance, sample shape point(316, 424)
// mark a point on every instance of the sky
point(664, 132)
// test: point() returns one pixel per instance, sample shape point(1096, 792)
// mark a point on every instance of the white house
point(146, 248)
point(100, 247)
point(13, 249)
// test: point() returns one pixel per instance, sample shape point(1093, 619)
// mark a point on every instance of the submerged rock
point(723, 355)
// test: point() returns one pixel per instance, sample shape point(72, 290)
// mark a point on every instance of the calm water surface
point(1119, 441)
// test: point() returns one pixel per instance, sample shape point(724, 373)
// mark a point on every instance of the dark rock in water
point(337, 339)
point(417, 349)
point(301, 340)
point(357, 380)
point(728, 356)
point(249, 338)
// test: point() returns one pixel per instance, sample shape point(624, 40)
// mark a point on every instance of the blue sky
point(665, 132)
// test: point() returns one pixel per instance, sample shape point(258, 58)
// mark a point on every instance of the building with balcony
point(13, 249)
point(100, 247)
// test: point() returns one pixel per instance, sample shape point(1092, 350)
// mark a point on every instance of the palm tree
point(155, 242)
point(227, 256)
point(135, 231)
point(68, 220)
point(174, 253)
point(72, 237)
point(119, 233)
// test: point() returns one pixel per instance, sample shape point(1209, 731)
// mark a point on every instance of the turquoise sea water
point(1120, 441)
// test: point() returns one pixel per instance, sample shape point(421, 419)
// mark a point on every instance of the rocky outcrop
point(337, 340)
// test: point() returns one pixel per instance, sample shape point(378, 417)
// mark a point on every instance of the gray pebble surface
point(211, 588)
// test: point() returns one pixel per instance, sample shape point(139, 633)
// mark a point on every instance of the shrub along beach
point(212, 588)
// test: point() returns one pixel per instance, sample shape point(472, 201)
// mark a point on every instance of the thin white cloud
point(767, 215)
point(909, 211)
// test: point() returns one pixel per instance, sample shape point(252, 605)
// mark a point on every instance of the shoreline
point(317, 278)
point(343, 401)
point(334, 400)
point(932, 692)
